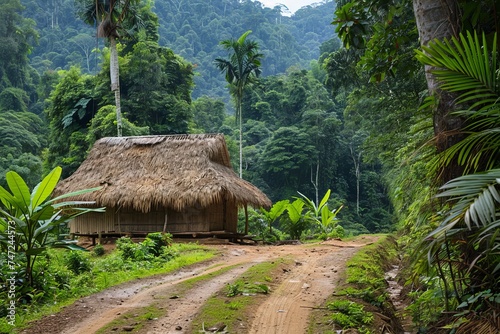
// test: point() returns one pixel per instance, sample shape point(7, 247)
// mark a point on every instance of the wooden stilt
point(246, 220)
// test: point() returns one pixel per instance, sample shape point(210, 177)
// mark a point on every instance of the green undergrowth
point(231, 306)
point(68, 276)
point(361, 301)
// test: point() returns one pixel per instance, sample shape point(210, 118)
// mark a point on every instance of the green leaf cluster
point(155, 246)
point(349, 314)
point(28, 218)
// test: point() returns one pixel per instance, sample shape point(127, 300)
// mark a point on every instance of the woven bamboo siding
point(190, 220)
point(231, 219)
point(201, 220)
point(94, 223)
point(142, 222)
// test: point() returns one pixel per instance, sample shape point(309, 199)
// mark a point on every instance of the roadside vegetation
point(298, 218)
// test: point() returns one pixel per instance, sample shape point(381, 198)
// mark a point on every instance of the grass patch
point(361, 300)
point(231, 306)
point(106, 271)
point(133, 320)
point(190, 283)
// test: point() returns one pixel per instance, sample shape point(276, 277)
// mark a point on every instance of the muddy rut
point(308, 280)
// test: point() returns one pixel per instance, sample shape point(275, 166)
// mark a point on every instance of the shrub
point(156, 245)
point(168, 254)
point(126, 247)
point(160, 240)
point(98, 250)
point(111, 263)
point(77, 262)
point(337, 232)
point(82, 282)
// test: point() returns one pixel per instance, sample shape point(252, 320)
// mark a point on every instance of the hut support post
point(246, 220)
point(165, 223)
point(224, 217)
point(119, 221)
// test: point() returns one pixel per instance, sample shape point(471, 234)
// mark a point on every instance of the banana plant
point(296, 222)
point(314, 209)
point(32, 216)
point(328, 218)
point(274, 212)
point(320, 214)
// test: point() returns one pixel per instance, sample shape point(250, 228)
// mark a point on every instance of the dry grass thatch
point(148, 172)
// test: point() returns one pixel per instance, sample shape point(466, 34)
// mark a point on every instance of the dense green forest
point(170, 84)
point(406, 140)
point(193, 30)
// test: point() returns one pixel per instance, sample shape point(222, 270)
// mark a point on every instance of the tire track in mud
point(309, 284)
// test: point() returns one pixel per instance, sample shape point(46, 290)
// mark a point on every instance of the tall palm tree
point(113, 17)
point(241, 69)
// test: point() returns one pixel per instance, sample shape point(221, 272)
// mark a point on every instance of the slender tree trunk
point(241, 144)
point(29, 270)
point(357, 172)
point(439, 19)
point(115, 82)
point(241, 138)
point(315, 182)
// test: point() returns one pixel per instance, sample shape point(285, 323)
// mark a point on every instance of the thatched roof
point(149, 172)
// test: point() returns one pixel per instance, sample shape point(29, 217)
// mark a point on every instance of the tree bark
point(115, 82)
point(439, 19)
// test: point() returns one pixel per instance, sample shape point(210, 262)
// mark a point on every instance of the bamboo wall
point(217, 217)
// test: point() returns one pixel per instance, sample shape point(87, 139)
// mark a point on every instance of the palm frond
point(465, 65)
point(477, 198)
point(475, 148)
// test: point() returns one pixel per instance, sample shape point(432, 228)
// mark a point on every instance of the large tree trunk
point(439, 19)
point(115, 82)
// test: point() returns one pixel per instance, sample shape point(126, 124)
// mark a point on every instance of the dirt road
point(306, 283)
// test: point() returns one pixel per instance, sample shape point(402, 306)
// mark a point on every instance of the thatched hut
point(182, 184)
